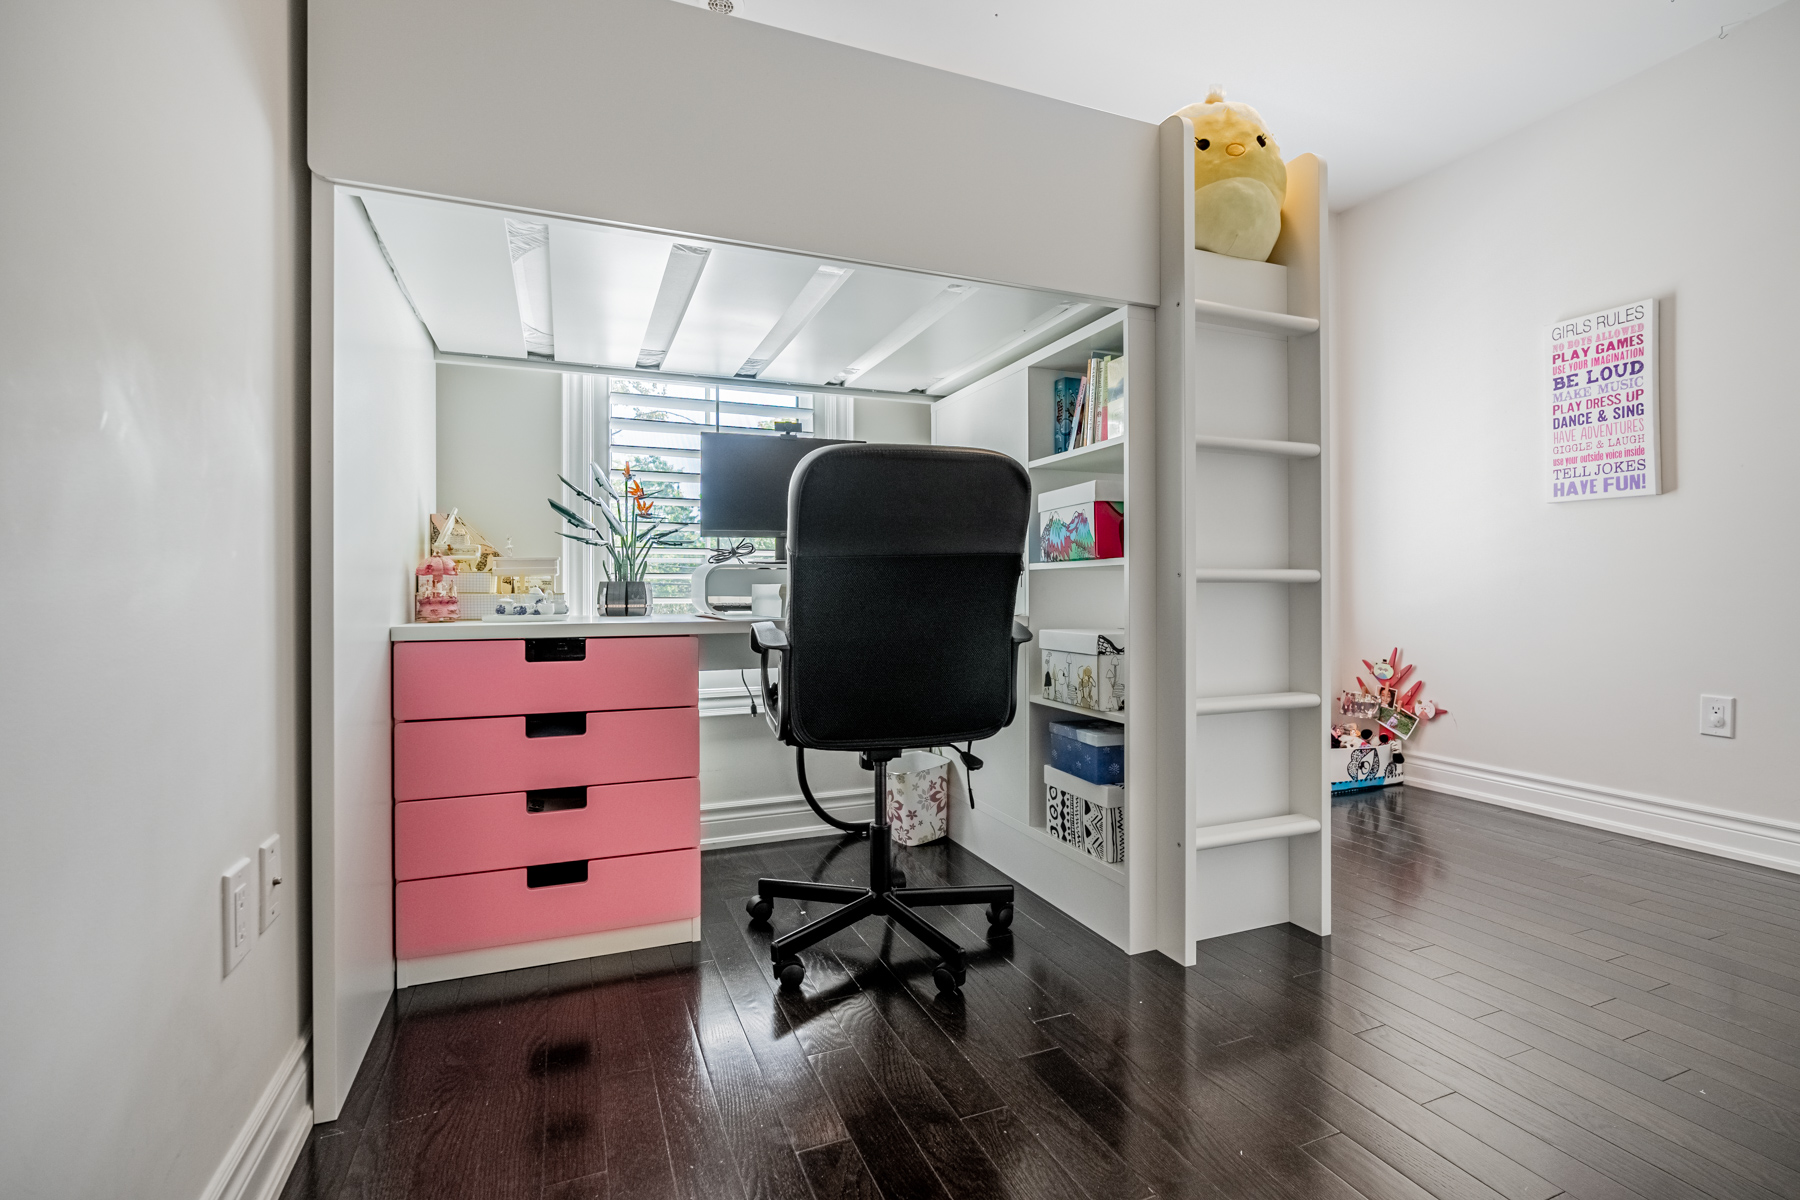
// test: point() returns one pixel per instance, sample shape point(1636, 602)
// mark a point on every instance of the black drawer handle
point(556, 725)
point(555, 650)
point(556, 874)
point(562, 799)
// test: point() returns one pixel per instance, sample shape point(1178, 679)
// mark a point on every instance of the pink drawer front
point(499, 908)
point(436, 680)
point(515, 829)
point(514, 754)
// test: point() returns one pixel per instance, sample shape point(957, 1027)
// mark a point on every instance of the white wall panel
point(374, 473)
point(457, 270)
point(669, 117)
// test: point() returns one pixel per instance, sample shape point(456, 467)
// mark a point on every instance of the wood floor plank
point(699, 1149)
point(837, 1172)
point(881, 1137)
point(637, 1148)
point(749, 1107)
point(1027, 1167)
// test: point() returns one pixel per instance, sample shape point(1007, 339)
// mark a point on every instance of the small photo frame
point(1360, 707)
point(1397, 722)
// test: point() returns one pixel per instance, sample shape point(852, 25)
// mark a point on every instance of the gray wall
point(892, 421)
point(499, 447)
point(666, 116)
point(152, 231)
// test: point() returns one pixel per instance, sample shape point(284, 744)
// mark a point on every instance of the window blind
point(654, 428)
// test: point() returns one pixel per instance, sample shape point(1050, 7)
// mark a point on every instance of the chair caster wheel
point(897, 878)
point(999, 916)
point(790, 971)
point(760, 908)
point(949, 981)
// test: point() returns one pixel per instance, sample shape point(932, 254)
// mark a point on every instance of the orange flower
point(643, 507)
point(634, 488)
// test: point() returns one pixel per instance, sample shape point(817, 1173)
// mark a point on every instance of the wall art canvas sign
point(1603, 419)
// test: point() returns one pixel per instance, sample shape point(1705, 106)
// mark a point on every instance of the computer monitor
point(744, 482)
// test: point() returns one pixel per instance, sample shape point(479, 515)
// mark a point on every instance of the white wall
point(152, 236)
point(664, 116)
point(374, 468)
point(1572, 641)
point(499, 447)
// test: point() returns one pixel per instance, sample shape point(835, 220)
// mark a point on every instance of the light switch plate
point(1718, 716)
point(237, 899)
point(270, 880)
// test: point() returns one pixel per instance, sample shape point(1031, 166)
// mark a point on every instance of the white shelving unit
point(1244, 591)
point(1010, 411)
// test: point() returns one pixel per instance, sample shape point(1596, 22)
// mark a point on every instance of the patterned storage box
point(1063, 810)
point(1087, 815)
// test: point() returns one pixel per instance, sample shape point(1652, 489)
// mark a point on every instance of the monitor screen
point(744, 481)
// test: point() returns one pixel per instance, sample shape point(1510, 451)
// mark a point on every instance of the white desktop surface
point(658, 625)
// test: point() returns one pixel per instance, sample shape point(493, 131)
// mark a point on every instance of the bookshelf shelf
point(1117, 718)
point(1077, 565)
point(1252, 320)
point(1233, 445)
point(1101, 458)
point(1254, 575)
point(1013, 410)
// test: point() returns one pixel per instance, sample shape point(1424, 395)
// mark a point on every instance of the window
point(655, 428)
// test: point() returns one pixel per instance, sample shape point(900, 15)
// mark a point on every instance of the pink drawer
point(516, 829)
point(514, 754)
point(499, 908)
point(435, 680)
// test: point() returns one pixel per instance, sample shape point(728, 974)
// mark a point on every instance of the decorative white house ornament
point(1602, 411)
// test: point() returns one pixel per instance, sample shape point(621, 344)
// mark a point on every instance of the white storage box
point(1091, 815)
point(1083, 667)
point(1085, 521)
point(918, 797)
point(1356, 768)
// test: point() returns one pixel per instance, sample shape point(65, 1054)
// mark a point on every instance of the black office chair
point(903, 564)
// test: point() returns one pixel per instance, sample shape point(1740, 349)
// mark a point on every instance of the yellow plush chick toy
point(1239, 179)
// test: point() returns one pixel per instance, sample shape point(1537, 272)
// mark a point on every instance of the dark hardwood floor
point(1511, 1008)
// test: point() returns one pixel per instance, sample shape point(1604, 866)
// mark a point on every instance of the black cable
point(800, 770)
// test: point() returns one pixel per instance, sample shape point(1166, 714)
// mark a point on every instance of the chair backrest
point(903, 567)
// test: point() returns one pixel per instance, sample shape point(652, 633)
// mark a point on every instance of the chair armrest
point(764, 637)
point(1020, 634)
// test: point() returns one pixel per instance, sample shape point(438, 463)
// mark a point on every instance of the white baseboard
point(1758, 840)
point(411, 971)
point(265, 1150)
point(778, 818)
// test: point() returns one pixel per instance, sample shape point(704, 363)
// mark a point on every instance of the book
point(1115, 399)
point(1065, 392)
point(1078, 429)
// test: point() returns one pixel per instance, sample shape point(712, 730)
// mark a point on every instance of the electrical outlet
point(270, 879)
point(238, 928)
point(1718, 716)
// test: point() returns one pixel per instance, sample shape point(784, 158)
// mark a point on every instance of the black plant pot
point(624, 598)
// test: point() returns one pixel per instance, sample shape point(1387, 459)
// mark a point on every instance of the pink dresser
point(546, 800)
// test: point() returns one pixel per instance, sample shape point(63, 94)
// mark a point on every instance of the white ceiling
point(454, 262)
point(1383, 90)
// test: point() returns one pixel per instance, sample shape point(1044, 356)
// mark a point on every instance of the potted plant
point(629, 534)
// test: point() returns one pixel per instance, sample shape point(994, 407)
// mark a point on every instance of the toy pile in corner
point(1369, 757)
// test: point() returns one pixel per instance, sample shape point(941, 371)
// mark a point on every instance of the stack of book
point(1091, 407)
